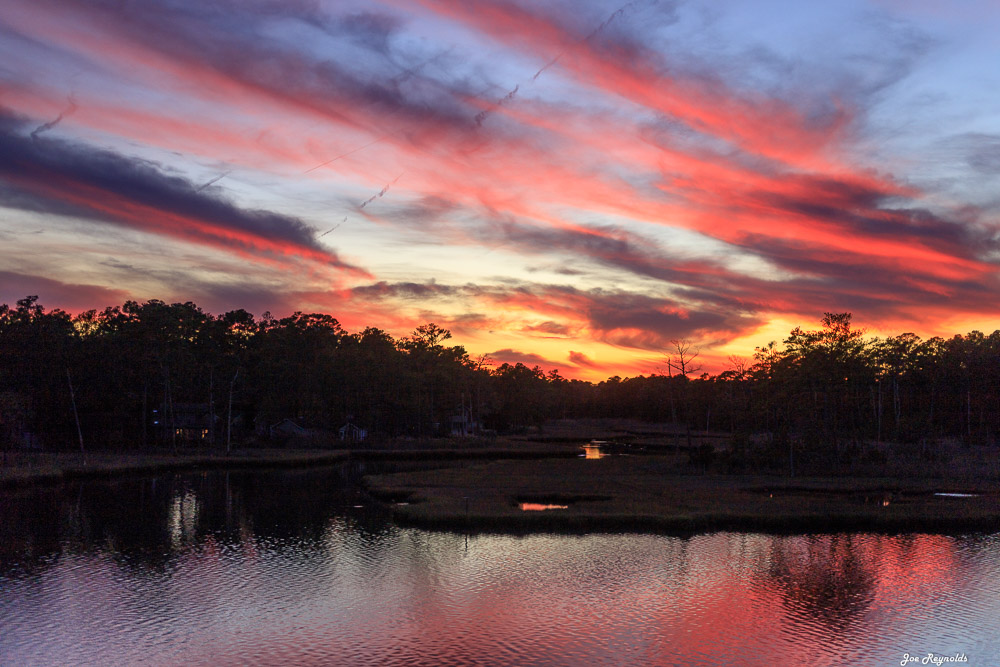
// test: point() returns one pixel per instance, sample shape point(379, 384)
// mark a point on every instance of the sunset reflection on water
point(538, 507)
point(282, 569)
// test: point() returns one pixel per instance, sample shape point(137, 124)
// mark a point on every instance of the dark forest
point(158, 375)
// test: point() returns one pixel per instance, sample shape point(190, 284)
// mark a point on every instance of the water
point(595, 449)
point(283, 568)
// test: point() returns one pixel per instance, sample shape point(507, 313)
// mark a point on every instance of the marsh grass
point(20, 467)
point(652, 493)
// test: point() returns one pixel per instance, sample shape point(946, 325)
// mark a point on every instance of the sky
point(572, 184)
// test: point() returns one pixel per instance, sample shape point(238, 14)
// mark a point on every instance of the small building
point(191, 422)
point(352, 433)
point(286, 428)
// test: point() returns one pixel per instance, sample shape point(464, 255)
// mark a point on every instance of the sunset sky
point(571, 184)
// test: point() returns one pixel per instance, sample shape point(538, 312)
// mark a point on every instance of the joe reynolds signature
point(932, 659)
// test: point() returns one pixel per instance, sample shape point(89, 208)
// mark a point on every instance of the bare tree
point(682, 360)
point(739, 366)
point(483, 362)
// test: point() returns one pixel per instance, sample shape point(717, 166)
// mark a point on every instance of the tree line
point(157, 374)
point(154, 374)
point(830, 394)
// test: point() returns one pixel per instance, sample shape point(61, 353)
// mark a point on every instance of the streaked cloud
point(592, 178)
point(48, 175)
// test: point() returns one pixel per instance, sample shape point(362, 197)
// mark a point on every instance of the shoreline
point(683, 526)
point(54, 467)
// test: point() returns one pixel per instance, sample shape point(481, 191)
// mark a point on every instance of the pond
point(299, 567)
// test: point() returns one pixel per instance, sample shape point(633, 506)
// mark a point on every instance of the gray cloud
point(359, 77)
point(54, 176)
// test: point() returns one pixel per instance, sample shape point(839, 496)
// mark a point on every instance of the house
point(352, 433)
point(191, 422)
point(286, 428)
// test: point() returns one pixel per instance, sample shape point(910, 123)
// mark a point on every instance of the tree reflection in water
point(146, 521)
point(822, 578)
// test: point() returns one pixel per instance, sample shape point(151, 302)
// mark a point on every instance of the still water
point(294, 567)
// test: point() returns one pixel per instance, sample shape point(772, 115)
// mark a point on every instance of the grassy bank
point(21, 468)
point(651, 493)
point(30, 468)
